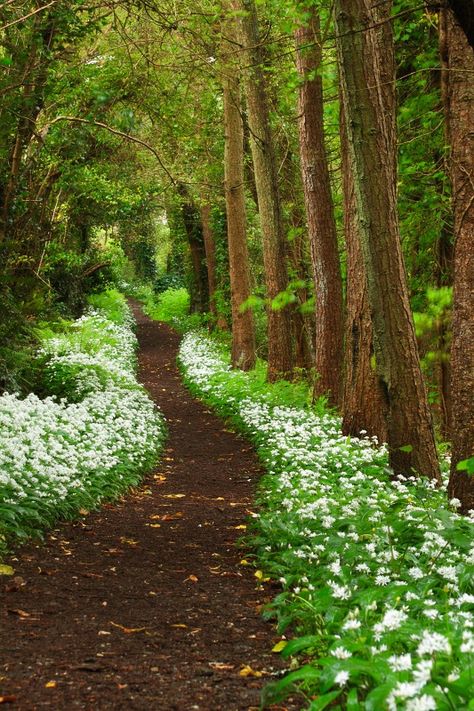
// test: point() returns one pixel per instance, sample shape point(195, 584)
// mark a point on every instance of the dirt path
point(143, 605)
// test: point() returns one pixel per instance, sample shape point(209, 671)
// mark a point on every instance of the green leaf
point(323, 701)
point(406, 448)
point(297, 645)
point(466, 465)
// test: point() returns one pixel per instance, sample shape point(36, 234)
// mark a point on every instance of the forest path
point(143, 604)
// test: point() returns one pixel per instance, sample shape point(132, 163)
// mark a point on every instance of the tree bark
point(199, 296)
point(210, 250)
point(319, 212)
point(363, 405)
point(280, 359)
point(243, 329)
point(365, 50)
point(458, 62)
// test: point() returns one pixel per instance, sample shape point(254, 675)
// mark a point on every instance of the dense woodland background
point(305, 169)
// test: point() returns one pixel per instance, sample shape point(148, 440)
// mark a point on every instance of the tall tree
point(458, 95)
point(365, 50)
point(319, 209)
point(363, 402)
point(243, 329)
point(199, 288)
point(280, 359)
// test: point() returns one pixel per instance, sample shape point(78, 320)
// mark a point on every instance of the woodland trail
point(143, 604)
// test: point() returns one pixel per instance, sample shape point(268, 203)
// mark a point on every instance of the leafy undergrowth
point(170, 306)
point(91, 438)
point(376, 572)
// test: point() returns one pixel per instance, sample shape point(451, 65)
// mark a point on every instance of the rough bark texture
point(210, 250)
point(280, 359)
point(363, 405)
point(243, 330)
point(320, 213)
point(192, 223)
point(365, 48)
point(458, 63)
point(464, 13)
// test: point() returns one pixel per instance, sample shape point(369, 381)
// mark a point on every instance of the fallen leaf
point(128, 630)
point(279, 645)
point(192, 578)
point(260, 576)
point(244, 562)
point(179, 625)
point(248, 671)
point(102, 633)
point(7, 699)
point(160, 478)
point(172, 517)
point(83, 512)
point(241, 527)
point(128, 541)
point(154, 525)
point(221, 666)
point(6, 570)
point(174, 496)
point(51, 685)
point(20, 613)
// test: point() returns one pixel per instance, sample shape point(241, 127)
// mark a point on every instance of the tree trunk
point(210, 250)
point(280, 359)
point(363, 405)
point(243, 329)
point(458, 61)
point(365, 49)
point(320, 212)
point(199, 295)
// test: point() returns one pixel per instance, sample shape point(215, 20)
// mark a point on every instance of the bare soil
point(144, 604)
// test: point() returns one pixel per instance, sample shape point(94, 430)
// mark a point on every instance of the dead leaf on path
point(102, 633)
point(241, 527)
point(244, 562)
point(128, 630)
point(192, 578)
point(6, 570)
point(173, 517)
point(179, 625)
point(248, 671)
point(279, 645)
point(20, 613)
point(153, 525)
point(221, 666)
point(261, 577)
point(160, 478)
point(51, 684)
point(7, 699)
point(128, 541)
point(174, 496)
point(84, 512)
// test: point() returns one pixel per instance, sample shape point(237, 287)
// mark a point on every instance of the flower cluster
point(377, 571)
point(58, 455)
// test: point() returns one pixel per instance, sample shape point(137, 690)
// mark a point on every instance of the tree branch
point(116, 132)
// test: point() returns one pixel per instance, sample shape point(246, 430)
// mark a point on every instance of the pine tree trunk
point(280, 359)
point(363, 406)
point(365, 49)
point(459, 103)
point(243, 330)
point(320, 213)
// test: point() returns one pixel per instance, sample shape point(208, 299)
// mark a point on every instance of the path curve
point(144, 604)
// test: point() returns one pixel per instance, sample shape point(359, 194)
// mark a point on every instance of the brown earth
point(144, 604)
